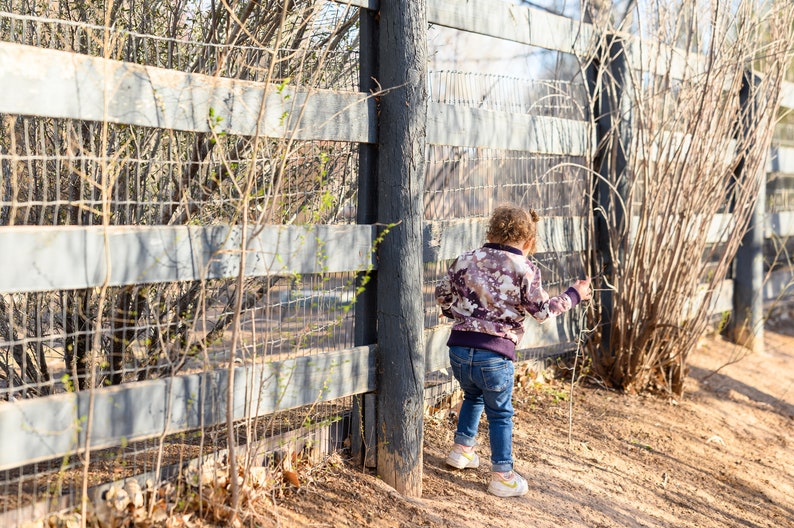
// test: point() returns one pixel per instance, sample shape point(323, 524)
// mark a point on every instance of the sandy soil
point(722, 456)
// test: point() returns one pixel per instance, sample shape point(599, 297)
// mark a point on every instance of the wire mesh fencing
point(66, 173)
point(466, 183)
point(179, 342)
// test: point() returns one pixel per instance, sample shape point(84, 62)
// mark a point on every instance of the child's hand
point(582, 287)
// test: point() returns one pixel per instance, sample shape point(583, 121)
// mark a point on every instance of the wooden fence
point(57, 84)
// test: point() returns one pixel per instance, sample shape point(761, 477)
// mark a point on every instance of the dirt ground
point(722, 456)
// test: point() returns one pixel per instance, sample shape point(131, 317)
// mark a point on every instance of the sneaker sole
point(467, 465)
point(507, 493)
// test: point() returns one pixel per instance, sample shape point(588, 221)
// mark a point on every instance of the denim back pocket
point(497, 377)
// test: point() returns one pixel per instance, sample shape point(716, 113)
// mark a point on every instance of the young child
point(489, 292)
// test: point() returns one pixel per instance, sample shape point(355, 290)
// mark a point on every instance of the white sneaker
point(508, 484)
point(461, 459)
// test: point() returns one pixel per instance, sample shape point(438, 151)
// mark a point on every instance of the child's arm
point(444, 296)
point(542, 307)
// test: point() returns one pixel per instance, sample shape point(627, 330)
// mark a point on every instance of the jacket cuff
point(574, 295)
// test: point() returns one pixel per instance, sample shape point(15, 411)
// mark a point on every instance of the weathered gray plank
point(556, 332)
point(372, 5)
point(50, 427)
point(779, 224)
point(54, 258)
point(716, 228)
point(665, 60)
point(673, 146)
point(550, 333)
point(54, 426)
point(446, 239)
point(787, 94)
point(719, 228)
point(52, 83)
point(512, 22)
point(781, 159)
point(474, 127)
point(723, 300)
point(779, 284)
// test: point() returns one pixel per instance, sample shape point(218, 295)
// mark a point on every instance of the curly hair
point(512, 225)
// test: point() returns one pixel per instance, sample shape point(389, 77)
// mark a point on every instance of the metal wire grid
point(51, 171)
point(293, 318)
point(56, 485)
point(192, 37)
point(467, 182)
point(51, 174)
point(170, 178)
point(176, 328)
point(780, 192)
point(553, 98)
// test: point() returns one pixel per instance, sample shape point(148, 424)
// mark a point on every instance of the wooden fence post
point(611, 98)
point(362, 434)
point(402, 65)
point(747, 328)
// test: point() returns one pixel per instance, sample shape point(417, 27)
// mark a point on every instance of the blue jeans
point(487, 382)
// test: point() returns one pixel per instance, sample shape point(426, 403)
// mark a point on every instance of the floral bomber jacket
point(489, 292)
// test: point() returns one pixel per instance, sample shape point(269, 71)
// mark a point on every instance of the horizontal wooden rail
point(779, 284)
point(59, 258)
point(534, 27)
point(716, 229)
point(675, 144)
point(476, 127)
point(51, 83)
point(665, 60)
point(54, 426)
point(60, 84)
point(779, 224)
point(503, 20)
point(51, 427)
point(787, 94)
point(781, 159)
point(372, 5)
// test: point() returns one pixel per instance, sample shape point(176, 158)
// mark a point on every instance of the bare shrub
point(694, 151)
